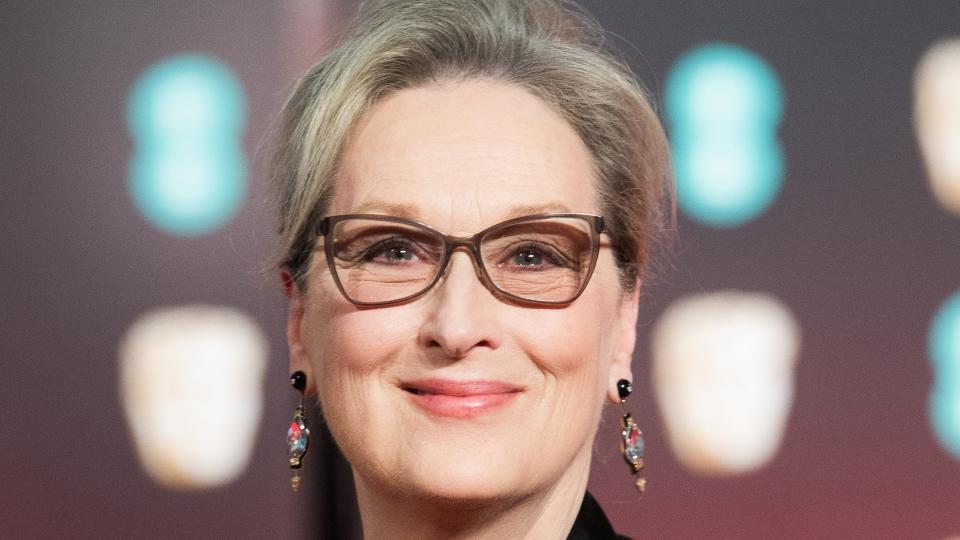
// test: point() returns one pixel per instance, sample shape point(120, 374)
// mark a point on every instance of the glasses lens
point(382, 261)
point(545, 260)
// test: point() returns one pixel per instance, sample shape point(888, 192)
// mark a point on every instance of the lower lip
point(461, 406)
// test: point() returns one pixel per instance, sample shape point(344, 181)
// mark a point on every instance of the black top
point(592, 524)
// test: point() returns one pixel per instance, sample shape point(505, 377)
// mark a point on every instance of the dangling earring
point(298, 436)
point(631, 443)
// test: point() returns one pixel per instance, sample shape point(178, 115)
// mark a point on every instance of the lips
point(460, 399)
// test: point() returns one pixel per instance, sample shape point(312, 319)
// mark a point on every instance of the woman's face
point(510, 395)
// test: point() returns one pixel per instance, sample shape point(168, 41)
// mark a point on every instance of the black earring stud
point(299, 381)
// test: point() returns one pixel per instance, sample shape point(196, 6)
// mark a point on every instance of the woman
point(468, 192)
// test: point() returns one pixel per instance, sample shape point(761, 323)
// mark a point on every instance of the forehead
point(463, 155)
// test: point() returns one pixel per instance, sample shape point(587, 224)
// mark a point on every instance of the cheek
point(579, 339)
point(573, 348)
point(361, 343)
point(349, 350)
point(346, 343)
point(561, 346)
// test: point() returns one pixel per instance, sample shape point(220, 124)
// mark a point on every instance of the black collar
point(591, 523)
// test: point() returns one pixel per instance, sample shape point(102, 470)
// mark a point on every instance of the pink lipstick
point(460, 399)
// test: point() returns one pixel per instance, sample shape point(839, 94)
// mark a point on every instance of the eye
point(528, 257)
point(534, 256)
point(391, 251)
point(398, 253)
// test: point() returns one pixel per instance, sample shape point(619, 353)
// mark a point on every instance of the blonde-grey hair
point(546, 47)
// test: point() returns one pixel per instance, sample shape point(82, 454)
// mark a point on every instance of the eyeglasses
point(544, 259)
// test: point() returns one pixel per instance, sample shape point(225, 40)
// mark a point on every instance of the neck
point(545, 515)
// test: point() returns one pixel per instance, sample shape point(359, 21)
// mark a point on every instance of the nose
point(462, 315)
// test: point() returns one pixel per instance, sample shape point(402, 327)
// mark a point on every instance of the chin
point(466, 488)
point(464, 475)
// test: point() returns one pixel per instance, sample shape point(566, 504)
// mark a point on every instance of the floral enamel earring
point(631, 443)
point(298, 435)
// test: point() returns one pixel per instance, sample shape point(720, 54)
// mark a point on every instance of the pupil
point(530, 258)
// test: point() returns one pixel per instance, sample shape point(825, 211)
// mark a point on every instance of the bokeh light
point(723, 107)
point(186, 115)
point(191, 385)
point(944, 350)
point(723, 373)
point(937, 120)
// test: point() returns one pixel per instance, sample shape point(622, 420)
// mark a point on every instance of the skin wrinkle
point(416, 472)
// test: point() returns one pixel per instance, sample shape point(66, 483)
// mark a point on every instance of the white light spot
point(723, 372)
point(191, 381)
point(937, 120)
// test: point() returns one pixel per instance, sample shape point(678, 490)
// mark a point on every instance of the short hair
point(549, 48)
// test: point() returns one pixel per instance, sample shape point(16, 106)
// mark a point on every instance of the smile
point(460, 399)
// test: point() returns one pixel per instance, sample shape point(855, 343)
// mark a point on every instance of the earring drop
point(298, 436)
point(631, 443)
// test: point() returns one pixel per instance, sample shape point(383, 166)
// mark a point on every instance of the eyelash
point(380, 247)
point(550, 255)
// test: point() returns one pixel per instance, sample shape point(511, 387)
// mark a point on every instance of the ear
point(626, 342)
point(295, 313)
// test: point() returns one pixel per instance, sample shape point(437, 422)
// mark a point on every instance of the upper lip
point(446, 387)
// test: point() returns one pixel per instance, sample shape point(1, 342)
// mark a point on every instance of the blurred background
point(817, 169)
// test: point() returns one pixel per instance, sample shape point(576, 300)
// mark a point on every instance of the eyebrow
point(532, 210)
point(410, 211)
point(407, 211)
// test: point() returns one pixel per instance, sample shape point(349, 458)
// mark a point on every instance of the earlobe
point(295, 314)
point(286, 280)
point(620, 367)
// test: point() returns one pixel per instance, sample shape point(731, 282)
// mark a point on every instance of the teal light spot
point(944, 350)
point(186, 115)
point(943, 341)
point(945, 416)
point(723, 106)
